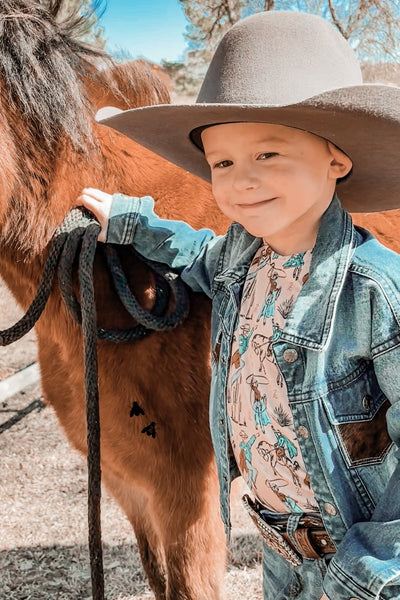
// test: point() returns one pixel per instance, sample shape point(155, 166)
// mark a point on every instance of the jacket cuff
point(338, 585)
point(122, 220)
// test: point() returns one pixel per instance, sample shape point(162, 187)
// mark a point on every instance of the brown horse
point(51, 148)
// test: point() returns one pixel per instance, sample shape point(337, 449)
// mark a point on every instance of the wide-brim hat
point(294, 69)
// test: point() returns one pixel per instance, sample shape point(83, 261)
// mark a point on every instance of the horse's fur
point(118, 86)
point(51, 149)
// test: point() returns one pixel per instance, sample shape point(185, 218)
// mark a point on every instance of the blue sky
point(150, 28)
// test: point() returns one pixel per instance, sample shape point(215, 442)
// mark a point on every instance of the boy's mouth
point(249, 205)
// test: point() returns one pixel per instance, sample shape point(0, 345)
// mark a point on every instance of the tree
point(210, 19)
point(372, 27)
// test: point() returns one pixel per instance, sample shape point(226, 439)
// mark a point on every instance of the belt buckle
point(272, 537)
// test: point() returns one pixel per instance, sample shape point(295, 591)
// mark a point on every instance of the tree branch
point(335, 20)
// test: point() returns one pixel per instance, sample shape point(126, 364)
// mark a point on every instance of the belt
point(311, 540)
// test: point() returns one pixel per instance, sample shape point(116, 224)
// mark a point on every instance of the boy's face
point(274, 180)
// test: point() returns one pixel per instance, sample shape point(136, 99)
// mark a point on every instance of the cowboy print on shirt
point(259, 415)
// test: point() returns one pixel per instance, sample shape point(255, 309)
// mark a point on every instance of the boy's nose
point(245, 179)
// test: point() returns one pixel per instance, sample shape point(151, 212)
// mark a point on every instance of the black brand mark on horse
point(136, 410)
point(150, 429)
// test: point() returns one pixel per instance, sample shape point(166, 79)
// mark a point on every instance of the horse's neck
point(39, 206)
point(41, 198)
point(132, 169)
point(24, 240)
point(20, 279)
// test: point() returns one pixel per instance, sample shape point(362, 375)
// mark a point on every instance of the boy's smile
point(274, 180)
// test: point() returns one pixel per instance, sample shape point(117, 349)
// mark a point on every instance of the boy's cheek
point(223, 204)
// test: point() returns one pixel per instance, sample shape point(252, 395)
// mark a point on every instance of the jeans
point(282, 581)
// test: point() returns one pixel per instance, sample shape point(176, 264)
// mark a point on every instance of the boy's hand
point(324, 597)
point(99, 203)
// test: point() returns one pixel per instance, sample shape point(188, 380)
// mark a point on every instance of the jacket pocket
point(358, 415)
point(367, 442)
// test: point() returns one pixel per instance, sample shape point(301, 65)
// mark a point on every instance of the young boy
point(306, 307)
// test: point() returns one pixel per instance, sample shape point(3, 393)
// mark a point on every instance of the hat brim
point(364, 121)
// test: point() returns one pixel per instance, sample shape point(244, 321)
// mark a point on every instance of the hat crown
point(276, 58)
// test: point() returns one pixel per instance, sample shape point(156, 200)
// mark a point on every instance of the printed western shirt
point(260, 420)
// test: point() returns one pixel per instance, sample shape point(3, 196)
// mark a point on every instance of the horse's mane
point(48, 82)
point(136, 83)
point(42, 66)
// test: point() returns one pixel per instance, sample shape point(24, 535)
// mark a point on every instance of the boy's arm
point(367, 563)
point(193, 254)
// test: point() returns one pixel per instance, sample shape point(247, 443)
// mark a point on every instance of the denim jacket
point(339, 354)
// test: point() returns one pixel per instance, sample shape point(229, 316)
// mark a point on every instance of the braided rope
point(77, 237)
point(86, 260)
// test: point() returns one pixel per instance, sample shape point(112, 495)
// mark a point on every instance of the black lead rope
point(77, 237)
point(86, 260)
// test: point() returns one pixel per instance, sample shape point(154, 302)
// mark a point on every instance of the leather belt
point(311, 539)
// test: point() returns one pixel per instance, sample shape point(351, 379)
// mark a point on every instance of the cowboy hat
point(294, 69)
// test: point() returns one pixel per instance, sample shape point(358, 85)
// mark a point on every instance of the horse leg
point(181, 540)
point(152, 556)
point(136, 507)
point(189, 576)
point(194, 542)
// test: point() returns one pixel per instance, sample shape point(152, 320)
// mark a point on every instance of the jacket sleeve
point(367, 563)
point(193, 254)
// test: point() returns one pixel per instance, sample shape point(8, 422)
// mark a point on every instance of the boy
point(305, 384)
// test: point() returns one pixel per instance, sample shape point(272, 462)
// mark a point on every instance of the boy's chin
point(257, 232)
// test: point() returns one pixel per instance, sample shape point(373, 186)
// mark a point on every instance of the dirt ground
point(21, 353)
point(43, 525)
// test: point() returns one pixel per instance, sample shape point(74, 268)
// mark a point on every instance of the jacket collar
point(311, 320)
point(236, 256)
point(310, 323)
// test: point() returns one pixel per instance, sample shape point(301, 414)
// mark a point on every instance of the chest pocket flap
point(358, 414)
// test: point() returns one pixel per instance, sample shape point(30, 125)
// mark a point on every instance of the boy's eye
point(222, 164)
point(265, 155)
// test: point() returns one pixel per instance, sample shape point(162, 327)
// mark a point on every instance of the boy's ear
point(341, 164)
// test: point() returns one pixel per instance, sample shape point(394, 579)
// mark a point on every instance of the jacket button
point(290, 355)
point(302, 432)
point(330, 509)
point(367, 402)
